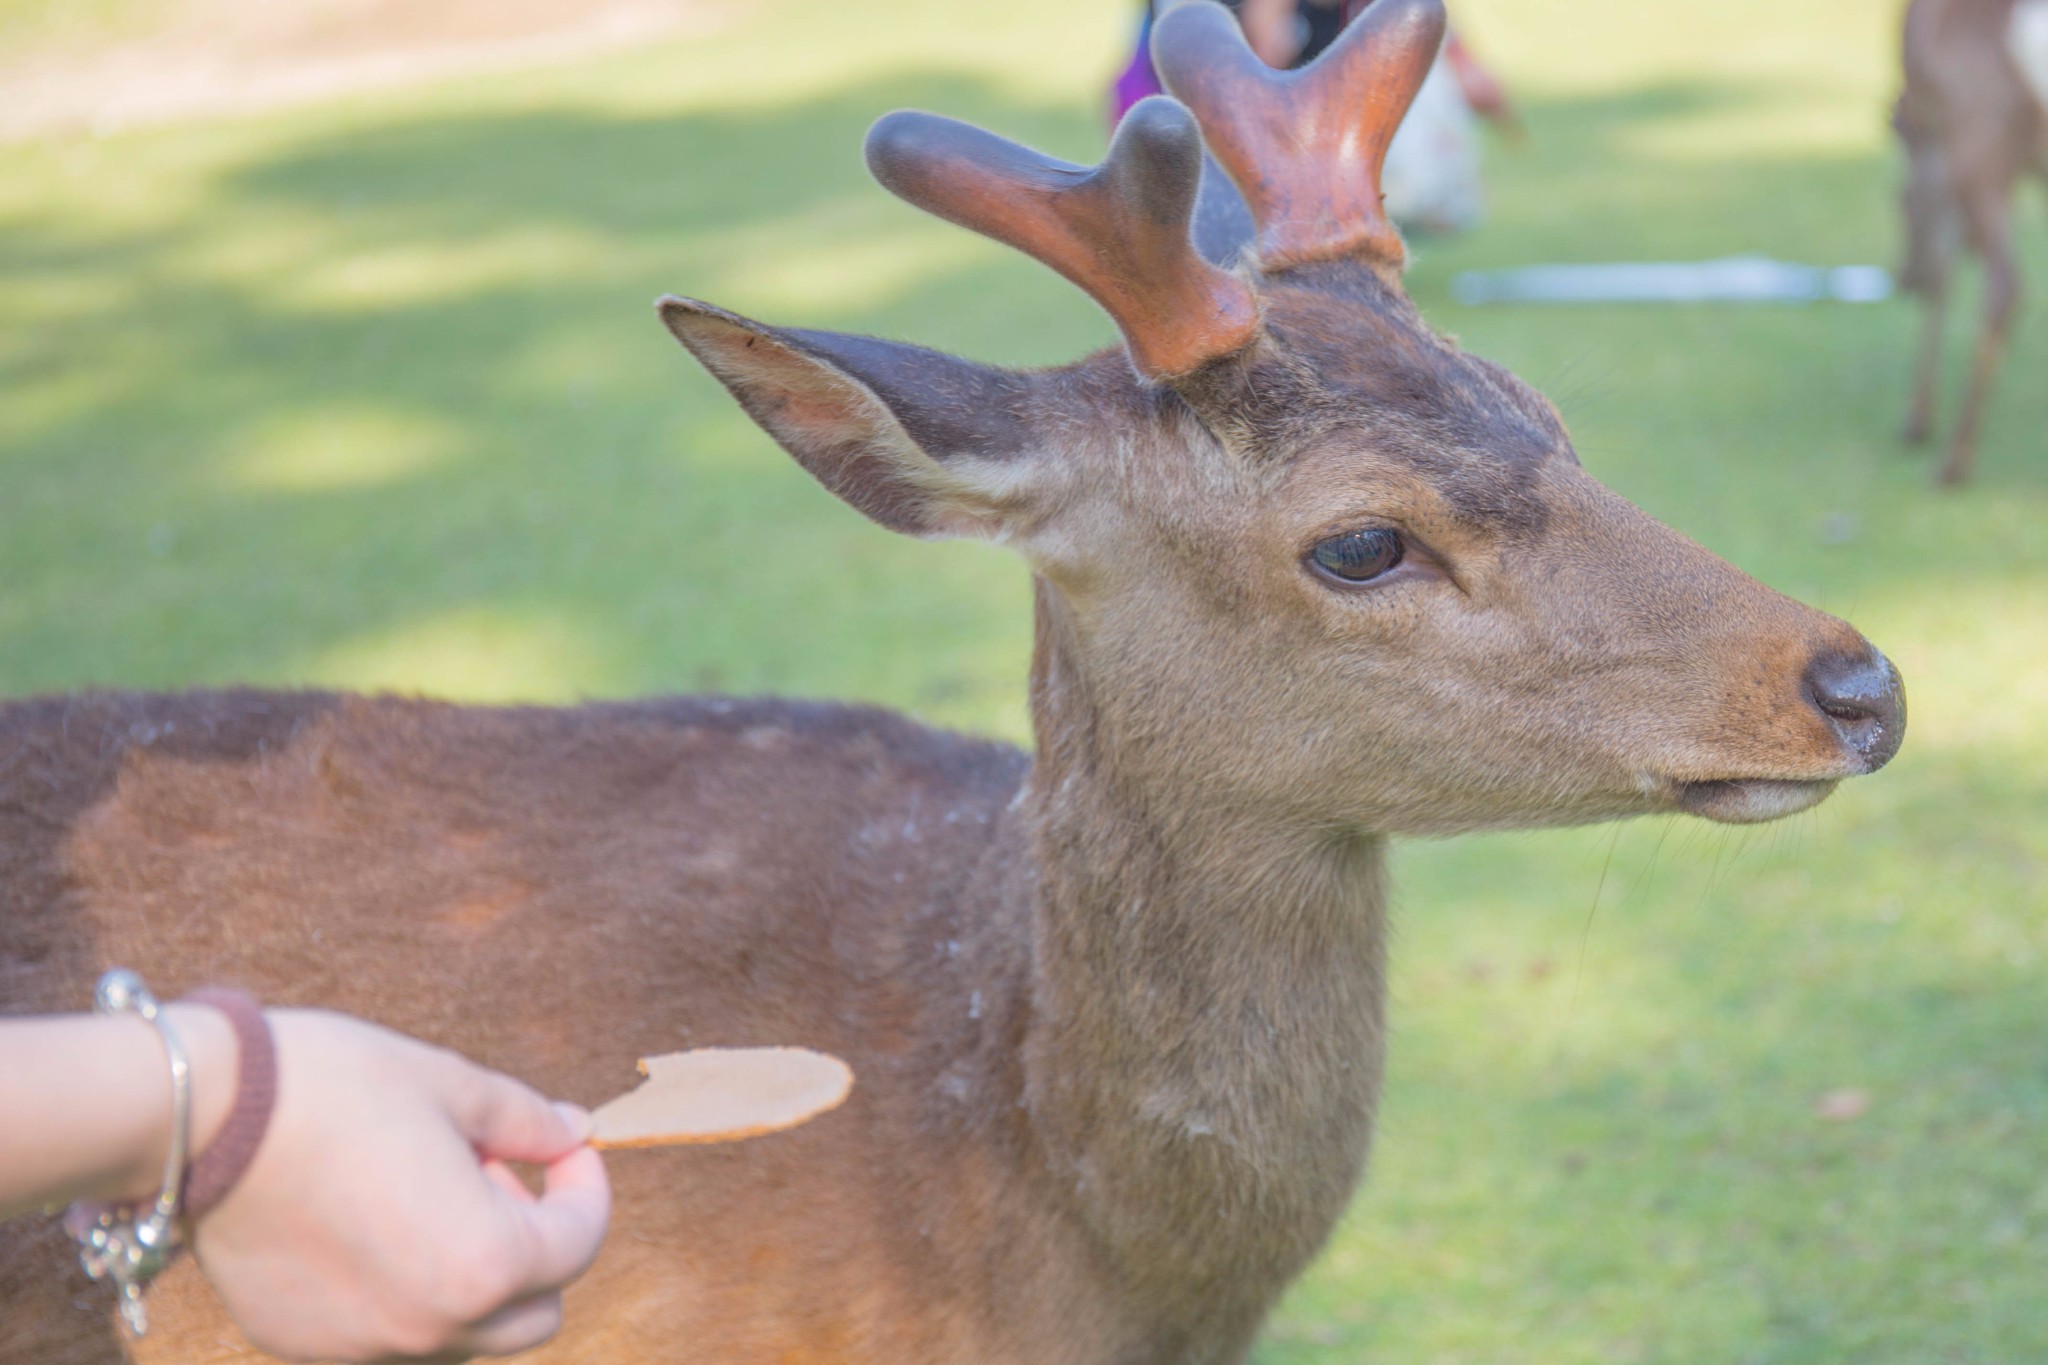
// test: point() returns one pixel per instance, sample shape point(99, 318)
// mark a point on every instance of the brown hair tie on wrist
point(227, 1157)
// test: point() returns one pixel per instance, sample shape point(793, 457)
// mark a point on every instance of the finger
point(507, 1179)
point(508, 1121)
point(568, 1222)
point(578, 1118)
point(516, 1327)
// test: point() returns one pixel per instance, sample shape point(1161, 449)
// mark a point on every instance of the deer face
point(1299, 553)
point(1362, 577)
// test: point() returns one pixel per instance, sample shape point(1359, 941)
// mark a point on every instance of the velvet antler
point(1305, 147)
point(1118, 230)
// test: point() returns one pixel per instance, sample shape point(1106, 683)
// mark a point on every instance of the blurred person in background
point(1432, 171)
point(2030, 44)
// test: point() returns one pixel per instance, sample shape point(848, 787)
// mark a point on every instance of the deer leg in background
point(1930, 265)
point(1932, 236)
point(1930, 279)
point(1987, 217)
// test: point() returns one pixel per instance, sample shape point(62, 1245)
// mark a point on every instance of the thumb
point(568, 1221)
point(507, 1121)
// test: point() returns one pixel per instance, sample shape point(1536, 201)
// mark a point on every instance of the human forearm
point(85, 1103)
point(377, 1218)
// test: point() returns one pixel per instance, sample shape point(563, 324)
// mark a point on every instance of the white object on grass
point(2028, 39)
point(1737, 279)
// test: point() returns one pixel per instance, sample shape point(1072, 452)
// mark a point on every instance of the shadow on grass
point(578, 467)
point(560, 456)
point(582, 472)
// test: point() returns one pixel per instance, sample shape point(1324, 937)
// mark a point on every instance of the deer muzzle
point(1860, 700)
point(1863, 701)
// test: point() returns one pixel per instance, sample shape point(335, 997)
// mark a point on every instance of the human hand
point(379, 1219)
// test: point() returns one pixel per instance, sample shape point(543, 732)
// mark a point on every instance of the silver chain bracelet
point(114, 1243)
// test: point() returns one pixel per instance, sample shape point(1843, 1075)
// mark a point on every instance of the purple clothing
point(1320, 25)
point(1138, 79)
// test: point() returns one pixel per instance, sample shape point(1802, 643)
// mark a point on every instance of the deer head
point(1297, 552)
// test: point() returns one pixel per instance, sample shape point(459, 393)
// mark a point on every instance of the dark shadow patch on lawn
point(552, 497)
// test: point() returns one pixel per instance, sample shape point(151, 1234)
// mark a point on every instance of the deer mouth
point(1752, 800)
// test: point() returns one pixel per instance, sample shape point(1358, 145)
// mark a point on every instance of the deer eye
point(1358, 556)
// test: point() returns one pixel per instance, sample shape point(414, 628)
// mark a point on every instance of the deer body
point(1307, 576)
point(1043, 1160)
point(1974, 120)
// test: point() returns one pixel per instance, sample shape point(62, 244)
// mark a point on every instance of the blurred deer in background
point(1307, 576)
point(1974, 120)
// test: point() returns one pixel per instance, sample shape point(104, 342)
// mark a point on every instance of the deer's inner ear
point(916, 440)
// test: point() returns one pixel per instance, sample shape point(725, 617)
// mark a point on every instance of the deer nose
point(1864, 702)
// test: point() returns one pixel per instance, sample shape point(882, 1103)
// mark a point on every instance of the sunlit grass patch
point(482, 654)
point(318, 450)
point(380, 278)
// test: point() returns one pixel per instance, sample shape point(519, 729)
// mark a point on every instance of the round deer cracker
point(719, 1094)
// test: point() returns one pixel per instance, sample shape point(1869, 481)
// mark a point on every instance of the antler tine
point(1118, 230)
point(1305, 147)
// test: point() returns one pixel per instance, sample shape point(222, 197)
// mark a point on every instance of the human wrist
point(210, 1049)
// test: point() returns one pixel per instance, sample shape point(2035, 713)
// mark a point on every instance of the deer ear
point(918, 441)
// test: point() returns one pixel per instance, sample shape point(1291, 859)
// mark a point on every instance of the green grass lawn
point(37, 23)
point(370, 394)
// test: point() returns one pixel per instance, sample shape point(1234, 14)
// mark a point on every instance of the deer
point(1973, 119)
point(1308, 577)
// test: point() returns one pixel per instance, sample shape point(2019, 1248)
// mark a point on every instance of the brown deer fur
point(1972, 126)
point(1115, 1009)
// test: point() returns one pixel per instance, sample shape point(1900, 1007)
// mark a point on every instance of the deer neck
point(1204, 1045)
